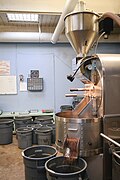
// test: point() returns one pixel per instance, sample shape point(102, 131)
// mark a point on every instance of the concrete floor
point(11, 162)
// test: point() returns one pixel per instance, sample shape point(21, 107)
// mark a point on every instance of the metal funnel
point(81, 29)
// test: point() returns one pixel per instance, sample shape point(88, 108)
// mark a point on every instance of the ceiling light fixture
point(22, 17)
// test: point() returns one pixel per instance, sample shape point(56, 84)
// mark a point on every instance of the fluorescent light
point(22, 17)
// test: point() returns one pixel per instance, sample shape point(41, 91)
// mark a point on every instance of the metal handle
point(109, 139)
point(112, 141)
point(118, 156)
point(81, 89)
point(74, 95)
point(71, 95)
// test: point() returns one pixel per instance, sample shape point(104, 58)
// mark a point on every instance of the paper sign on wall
point(8, 85)
point(4, 68)
point(23, 86)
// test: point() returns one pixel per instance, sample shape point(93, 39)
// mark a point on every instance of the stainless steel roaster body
point(89, 124)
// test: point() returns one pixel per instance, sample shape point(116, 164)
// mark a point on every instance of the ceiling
point(46, 24)
point(49, 13)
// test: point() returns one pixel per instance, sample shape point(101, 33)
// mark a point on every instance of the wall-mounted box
point(34, 84)
point(34, 73)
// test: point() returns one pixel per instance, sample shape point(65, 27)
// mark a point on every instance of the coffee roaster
point(97, 111)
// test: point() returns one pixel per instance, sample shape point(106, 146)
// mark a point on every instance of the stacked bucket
point(40, 160)
point(23, 134)
point(40, 131)
point(35, 137)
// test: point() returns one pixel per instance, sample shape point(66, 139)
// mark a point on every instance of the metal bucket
point(58, 168)
point(34, 161)
point(6, 131)
point(24, 136)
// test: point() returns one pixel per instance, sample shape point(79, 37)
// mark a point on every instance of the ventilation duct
point(29, 37)
point(69, 6)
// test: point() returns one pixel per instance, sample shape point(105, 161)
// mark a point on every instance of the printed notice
point(8, 85)
point(4, 68)
point(23, 86)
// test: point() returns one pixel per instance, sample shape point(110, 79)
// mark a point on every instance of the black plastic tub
point(44, 134)
point(22, 121)
point(44, 120)
point(24, 136)
point(53, 137)
point(58, 168)
point(34, 135)
point(6, 131)
point(34, 161)
point(66, 108)
point(115, 167)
